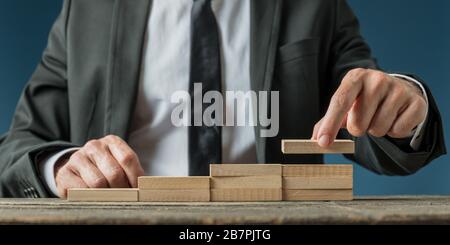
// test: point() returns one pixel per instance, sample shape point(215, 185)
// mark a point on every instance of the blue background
point(405, 35)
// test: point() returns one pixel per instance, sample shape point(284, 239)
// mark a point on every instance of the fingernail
point(324, 140)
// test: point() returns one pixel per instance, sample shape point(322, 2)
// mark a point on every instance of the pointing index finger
point(341, 102)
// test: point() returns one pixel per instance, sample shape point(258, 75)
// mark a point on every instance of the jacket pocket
point(299, 49)
point(296, 77)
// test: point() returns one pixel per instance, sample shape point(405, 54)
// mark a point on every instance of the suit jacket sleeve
point(381, 155)
point(40, 124)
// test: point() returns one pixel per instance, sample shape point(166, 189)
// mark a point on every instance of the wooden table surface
point(367, 210)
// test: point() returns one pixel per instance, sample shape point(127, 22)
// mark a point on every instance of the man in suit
point(96, 112)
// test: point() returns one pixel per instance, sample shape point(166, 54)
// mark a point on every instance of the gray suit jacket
point(85, 86)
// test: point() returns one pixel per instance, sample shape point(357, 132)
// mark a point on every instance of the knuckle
point(379, 77)
point(318, 124)
point(112, 138)
point(401, 130)
point(357, 72)
point(92, 144)
point(356, 129)
point(62, 172)
point(82, 164)
point(356, 133)
point(399, 92)
point(116, 174)
point(316, 127)
point(76, 157)
point(374, 92)
point(419, 104)
point(60, 177)
point(422, 103)
point(353, 77)
point(340, 99)
point(395, 134)
point(127, 159)
point(327, 130)
point(99, 182)
point(378, 82)
point(377, 132)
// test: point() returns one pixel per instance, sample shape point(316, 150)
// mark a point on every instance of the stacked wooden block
point(317, 182)
point(244, 182)
point(174, 189)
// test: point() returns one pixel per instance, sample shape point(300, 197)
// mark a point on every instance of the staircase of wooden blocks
point(243, 182)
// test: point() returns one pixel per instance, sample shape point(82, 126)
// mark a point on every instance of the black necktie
point(204, 142)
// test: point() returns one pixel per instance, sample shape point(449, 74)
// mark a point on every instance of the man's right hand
point(105, 163)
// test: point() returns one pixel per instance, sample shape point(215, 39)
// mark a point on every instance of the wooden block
point(198, 195)
point(311, 147)
point(245, 195)
point(173, 183)
point(218, 170)
point(318, 182)
point(318, 170)
point(102, 195)
point(248, 182)
point(318, 195)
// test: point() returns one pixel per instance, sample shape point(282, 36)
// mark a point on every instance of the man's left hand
point(373, 102)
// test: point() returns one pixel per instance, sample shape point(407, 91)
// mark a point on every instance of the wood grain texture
point(317, 195)
point(218, 170)
point(367, 210)
point(311, 147)
point(102, 195)
point(247, 182)
point(318, 170)
point(245, 195)
point(173, 183)
point(198, 195)
point(318, 182)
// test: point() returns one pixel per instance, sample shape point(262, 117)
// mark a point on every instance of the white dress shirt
point(161, 147)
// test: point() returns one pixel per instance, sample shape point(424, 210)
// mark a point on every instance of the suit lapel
point(128, 34)
point(265, 24)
